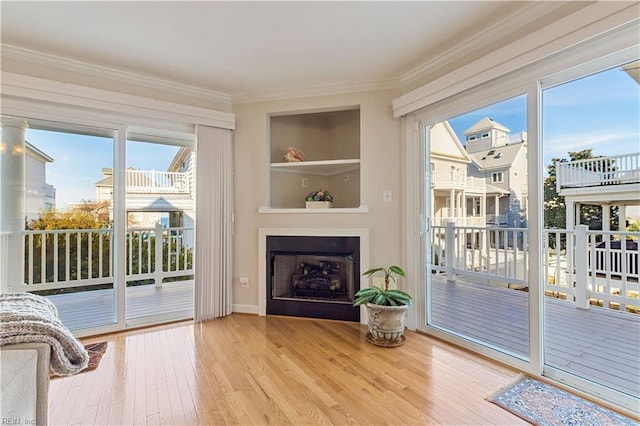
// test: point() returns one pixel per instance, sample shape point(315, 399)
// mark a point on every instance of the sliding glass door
point(68, 237)
point(160, 206)
point(591, 159)
point(476, 207)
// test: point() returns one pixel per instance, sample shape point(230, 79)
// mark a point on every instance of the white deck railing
point(592, 266)
point(614, 170)
point(459, 181)
point(485, 254)
point(151, 182)
point(458, 220)
point(57, 259)
point(598, 270)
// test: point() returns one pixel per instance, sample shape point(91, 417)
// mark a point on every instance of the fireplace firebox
point(313, 276)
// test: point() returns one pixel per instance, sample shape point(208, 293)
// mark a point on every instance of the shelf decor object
point(293, 155)
point(319, 204)
point(319, 200)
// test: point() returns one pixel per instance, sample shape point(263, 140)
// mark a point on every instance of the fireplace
point(313, 276)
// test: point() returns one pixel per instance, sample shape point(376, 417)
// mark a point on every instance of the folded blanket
point(26, 318)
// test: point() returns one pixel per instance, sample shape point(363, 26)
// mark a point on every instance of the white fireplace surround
point(263, 233)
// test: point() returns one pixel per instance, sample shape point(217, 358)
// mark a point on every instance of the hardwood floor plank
point(245, 369)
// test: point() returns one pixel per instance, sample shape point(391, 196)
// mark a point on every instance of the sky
point(79, 159)
point(601, 112)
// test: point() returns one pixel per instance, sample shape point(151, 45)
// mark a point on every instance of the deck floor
point(597, 344)
point(96, 308)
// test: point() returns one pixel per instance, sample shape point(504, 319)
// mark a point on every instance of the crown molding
point(384, 84)
point(18, 88)
point(503, 26)
point(593, 21)
point(59, 62)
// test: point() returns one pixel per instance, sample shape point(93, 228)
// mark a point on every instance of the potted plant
point(319, 200)
point(387, 308)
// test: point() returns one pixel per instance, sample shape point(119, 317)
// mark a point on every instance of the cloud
point(616, 142)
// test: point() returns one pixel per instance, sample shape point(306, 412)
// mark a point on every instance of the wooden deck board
point(95, 308)
point(597, 344)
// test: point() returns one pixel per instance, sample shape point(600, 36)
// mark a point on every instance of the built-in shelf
point(321, 168)
point(271, 210)
point(330, 141)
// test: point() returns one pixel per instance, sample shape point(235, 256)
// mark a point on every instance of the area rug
point(543, 404)
point(95, 351)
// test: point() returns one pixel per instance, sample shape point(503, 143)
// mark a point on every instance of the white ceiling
point(249, 48)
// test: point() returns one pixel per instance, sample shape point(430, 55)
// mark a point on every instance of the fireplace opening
point(314, 277)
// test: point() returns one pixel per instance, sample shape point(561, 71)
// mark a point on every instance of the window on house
point(484, 136)
point(472, 138)
point(497, 177)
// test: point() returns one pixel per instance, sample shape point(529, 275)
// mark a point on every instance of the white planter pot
point(386, 324)
point(319, 204)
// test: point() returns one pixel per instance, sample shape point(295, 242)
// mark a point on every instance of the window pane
point(477, 206)
point(591, 130)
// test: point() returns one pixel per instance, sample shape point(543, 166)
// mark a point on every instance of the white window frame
point(497, 177)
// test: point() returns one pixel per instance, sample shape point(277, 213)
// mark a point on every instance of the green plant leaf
point(397, 270)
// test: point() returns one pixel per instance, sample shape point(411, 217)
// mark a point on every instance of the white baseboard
point(245, 309)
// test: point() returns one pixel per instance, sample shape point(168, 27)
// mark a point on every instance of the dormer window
point(484, 135)
point(472, 138)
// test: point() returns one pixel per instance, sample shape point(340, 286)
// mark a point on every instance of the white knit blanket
point(27, 318)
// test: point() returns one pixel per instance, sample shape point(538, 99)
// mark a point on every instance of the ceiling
point(250, 48)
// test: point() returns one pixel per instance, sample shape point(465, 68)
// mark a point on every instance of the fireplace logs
point(321, 280)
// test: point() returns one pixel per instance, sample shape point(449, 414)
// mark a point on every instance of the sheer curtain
point(214, 223)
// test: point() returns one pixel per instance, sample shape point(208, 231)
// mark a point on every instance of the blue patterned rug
point(542, 404)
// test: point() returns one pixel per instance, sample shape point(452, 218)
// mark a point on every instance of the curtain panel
point(214, 223)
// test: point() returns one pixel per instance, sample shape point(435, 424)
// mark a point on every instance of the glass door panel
point(476, 204)
point(160, 203)
point(68, 238)
point(591, 157)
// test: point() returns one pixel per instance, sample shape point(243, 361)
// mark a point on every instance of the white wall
point(381, 154)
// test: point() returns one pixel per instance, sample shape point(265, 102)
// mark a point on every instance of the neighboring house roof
point(445, 144)
point(501, 157)
point(485, 124)
point(494, 190)
point(182, 154)
point(31, 149)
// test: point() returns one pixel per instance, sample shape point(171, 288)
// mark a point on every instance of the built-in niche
point(330, 142)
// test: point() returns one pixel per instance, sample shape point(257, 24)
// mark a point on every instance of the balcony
point(153, 182)
point(459, 181)
point(600, 174)
point(591, 303)
point(75, 268)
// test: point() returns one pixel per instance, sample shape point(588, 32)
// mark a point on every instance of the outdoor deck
point(598, 344)
point(96, 308)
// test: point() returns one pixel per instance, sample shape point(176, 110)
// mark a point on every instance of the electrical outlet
point(305, 182)
point(244, 282)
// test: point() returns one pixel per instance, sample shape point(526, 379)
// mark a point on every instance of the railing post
point(581, 264)
point(157, 272)
point(449, 251)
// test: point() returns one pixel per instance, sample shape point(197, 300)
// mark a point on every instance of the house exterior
point(152, 194)
point(500, 158)
point(455, 196)
point(40, 196)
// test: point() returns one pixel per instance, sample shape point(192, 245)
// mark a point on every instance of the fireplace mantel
point(263, 233)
